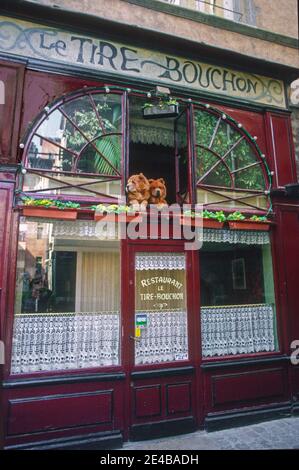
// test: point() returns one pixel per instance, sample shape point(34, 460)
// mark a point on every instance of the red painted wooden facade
point(89, 406)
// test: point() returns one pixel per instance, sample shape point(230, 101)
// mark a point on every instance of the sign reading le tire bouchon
point(23, 39)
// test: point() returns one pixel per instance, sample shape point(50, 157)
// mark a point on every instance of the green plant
point(112, 209)
point(30, 201)
point(256, 218)
point(219, 215)
point(147, 105)
point(108, 145)
point(66, 205)
point(235, 216)
point(162, 103)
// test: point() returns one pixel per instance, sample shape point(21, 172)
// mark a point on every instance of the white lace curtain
point(237, 330)
point(165, 339)
point(49, 342)
point(87, 229)
point(244, 237)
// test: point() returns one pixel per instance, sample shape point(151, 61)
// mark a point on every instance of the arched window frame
point(122, 174)
point(260, 160)
point(119, 175)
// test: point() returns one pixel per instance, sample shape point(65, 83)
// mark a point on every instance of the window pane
point(237, 298)
point(225, 137)
point(160, 308)
point(251, 178)
point(66, 185)
point(219, 176)
point(103, 157)
point(205, 124)
point(67, 298)
point(76, 127)
point(227, 159)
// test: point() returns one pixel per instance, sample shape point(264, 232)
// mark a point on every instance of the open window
point(158, 148)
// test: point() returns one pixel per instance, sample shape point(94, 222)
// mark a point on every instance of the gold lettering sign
point(21, 38)
point(160, 292)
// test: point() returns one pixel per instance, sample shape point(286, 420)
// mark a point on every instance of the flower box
point(249, 225)
point(49, 212)
point(112, 217)
point(166, 111)
point(198, 222)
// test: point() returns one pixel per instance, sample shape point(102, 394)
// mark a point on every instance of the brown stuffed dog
point(158, 193)
point(138, 190)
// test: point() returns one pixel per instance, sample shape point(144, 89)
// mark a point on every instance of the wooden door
point(162, 371)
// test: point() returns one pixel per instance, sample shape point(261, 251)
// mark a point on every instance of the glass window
point(160, 308)
point(230, 172)
point(237, 297)
point(67, 303)
point(76, 149)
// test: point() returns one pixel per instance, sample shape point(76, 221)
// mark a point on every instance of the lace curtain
point(237, 330)
point(160, 261)
point(64, 341)
point(245, 237)
point(152, 135)
point(87, 229)
point(165, 339)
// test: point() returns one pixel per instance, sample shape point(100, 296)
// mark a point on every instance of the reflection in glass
point(82, 135)
point(67, 298)
point(225, 158)
point(237, 296)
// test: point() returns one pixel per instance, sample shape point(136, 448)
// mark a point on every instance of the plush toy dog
point(138, 190)
point(158, 192)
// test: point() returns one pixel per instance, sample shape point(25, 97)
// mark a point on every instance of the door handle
point(134, 338)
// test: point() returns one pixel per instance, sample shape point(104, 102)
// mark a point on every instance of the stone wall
point(148, 18)
point(278, 16)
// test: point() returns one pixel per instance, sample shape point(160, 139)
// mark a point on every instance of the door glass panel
point(160, 308)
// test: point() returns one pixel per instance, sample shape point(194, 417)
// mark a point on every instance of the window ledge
point(246, 361)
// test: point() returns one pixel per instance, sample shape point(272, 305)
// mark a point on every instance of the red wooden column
point(288, 216)
point(6, 199)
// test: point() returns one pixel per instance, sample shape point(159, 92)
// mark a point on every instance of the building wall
point(278, 16)
point(282, 19)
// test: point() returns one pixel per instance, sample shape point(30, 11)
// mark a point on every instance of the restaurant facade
point(111, 338)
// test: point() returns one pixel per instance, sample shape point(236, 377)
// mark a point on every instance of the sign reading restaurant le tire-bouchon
point(24, 39)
